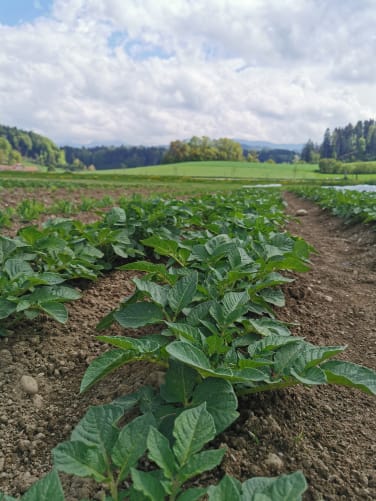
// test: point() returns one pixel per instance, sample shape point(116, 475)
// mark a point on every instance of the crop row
point(351, 205)
point(211, 281)
point(30, 209)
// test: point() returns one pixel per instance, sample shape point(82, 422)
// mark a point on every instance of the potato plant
point(351, 205)
point(212, 276)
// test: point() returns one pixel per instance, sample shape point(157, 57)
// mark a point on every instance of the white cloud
point(149, 72)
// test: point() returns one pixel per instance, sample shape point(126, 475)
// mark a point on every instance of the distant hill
point(266, 145)
point(29, 145)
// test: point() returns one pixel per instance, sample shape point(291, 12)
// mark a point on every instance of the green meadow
point(234, 170)
point(219, 169)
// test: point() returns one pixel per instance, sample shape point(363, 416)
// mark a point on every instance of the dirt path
point(328, 432)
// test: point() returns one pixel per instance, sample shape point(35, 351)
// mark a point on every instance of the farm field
point(227, 169)
point(328, 432)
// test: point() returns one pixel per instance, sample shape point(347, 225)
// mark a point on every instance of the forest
point(352, 143)
point(16, 144)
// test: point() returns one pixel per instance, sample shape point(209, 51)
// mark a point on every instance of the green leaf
point(271, 280)
point(273, 296)
point(192, 494)
point(154, 269)
point(17, 267)
point(158, 293)
point(146, 344)
point(148, 485)
point(46, 489)
point(6, 308)
point(55, 310)
point(269, 327)
point(288, 263)
point(194, 357)
point(51, 278)
point(270, 343)
point(98, 427)
point(188, 354)
point(352, 375)
point(105, 322)
point(221, 401)
point(8, 246)
point(161, 246)
point(53, 293)
point(187, 332)
point(199, 312)
point(314, 375)
point(198, 463)
point(115, 216)
point(82, 460)
point(192, 430)
point(227, 489)
point(139, 314)
point(160, 452)
point(179, 383)
point(286, 357)
point(315, 355)
point(234, 302)
point(103, 365)
point(182, 293)
point(131, 443)
point(282, 488)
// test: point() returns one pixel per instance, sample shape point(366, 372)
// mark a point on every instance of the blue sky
point(13, 12)
point(151, 71)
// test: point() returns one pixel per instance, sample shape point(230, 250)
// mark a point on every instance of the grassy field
point(235, 170)
point(192, 176)
point(221, 169)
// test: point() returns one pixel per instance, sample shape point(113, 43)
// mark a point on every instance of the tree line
point(114, 157)
point(203, 148)
point(349, 144)
point(16, 143)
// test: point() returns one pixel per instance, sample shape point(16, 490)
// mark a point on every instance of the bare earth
point(327, 432)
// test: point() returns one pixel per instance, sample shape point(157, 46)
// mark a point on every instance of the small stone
point(274, 463)
point(29, 385)
point(5, 358)
point(38, 401)
point(273, 425)
point(2, 464)
point(328, 298)
point(372, 480)
point(24, 445)
point(301, 212)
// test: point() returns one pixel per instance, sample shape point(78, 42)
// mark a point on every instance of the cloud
point(146, 72)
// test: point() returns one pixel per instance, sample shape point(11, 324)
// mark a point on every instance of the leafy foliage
point(351, 205)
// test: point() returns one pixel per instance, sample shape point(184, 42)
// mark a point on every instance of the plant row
point(30, 209)
point(35, 264)
point(351, 205)
point(208, 291)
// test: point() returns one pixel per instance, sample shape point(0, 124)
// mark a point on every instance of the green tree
point(326, 149)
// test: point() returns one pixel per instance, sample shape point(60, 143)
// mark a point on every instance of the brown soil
point(327, 432)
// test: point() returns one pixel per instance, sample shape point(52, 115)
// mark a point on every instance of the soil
point(327, 432)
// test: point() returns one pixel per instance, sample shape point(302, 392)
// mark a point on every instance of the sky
point(135, 72)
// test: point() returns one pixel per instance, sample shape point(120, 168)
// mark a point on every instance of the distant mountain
point(266, 145)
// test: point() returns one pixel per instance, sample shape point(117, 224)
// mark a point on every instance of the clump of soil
point(327, 432)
